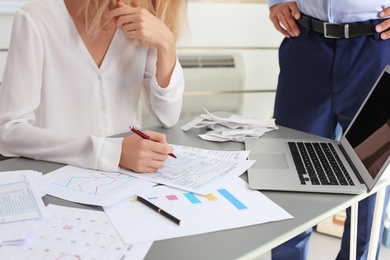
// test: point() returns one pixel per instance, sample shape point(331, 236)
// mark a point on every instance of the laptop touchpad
point(269, 161)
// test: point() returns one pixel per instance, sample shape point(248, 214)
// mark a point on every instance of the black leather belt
point(335, 30)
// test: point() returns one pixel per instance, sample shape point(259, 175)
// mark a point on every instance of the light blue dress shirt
point(339, 11)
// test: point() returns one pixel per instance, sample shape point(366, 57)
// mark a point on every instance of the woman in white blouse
point(74, 75)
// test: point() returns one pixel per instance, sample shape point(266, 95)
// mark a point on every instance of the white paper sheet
point(198, 170)
point(16, 232)
point(71, 233)
point(232, 206)
point(94, 187)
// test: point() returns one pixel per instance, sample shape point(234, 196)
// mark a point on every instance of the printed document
point(19, 199)
point(198, 170)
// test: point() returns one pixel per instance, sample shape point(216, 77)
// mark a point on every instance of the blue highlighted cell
point(192, 198)
point(236, 203)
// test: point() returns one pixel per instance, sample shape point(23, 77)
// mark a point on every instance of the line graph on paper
point(95, 182)
point(93, 186)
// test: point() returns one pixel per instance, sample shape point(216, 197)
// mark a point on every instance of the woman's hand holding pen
point(142, 155)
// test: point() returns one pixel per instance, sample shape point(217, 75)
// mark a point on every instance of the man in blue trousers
point(332, 54)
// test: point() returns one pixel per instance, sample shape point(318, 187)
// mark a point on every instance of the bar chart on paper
point(225, 208)
point(221, 199)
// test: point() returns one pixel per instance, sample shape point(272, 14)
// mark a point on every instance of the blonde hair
point(171, 12)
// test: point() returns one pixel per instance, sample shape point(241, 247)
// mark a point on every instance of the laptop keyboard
point(319, 164)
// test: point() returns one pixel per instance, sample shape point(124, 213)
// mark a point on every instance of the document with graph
point(198, 170)
point(94, 187)
point(230, 206)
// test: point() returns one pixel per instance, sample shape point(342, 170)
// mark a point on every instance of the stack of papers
point(201, 188)
point(234, 128)
point(20, 205)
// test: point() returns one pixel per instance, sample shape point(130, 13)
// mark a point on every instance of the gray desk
point(247, 242)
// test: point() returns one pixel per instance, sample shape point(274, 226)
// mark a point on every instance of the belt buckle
point(326, 35)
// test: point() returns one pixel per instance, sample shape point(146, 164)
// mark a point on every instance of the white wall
point(242, 28)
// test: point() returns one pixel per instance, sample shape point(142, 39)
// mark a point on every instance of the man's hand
point(385, 25)
point(284, 17)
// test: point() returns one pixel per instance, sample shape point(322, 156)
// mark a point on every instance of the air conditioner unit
point(213, 81)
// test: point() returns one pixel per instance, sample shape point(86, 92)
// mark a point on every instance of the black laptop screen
point(370, 133)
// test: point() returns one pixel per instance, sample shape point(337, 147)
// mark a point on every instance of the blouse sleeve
point(164, 103)
point(20, 96)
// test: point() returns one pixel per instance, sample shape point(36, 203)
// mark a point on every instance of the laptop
point(354, 164)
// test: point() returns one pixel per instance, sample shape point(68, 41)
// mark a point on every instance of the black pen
point(159, 210)
point(138, 132)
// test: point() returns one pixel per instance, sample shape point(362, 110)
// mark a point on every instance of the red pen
point(145, 136)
